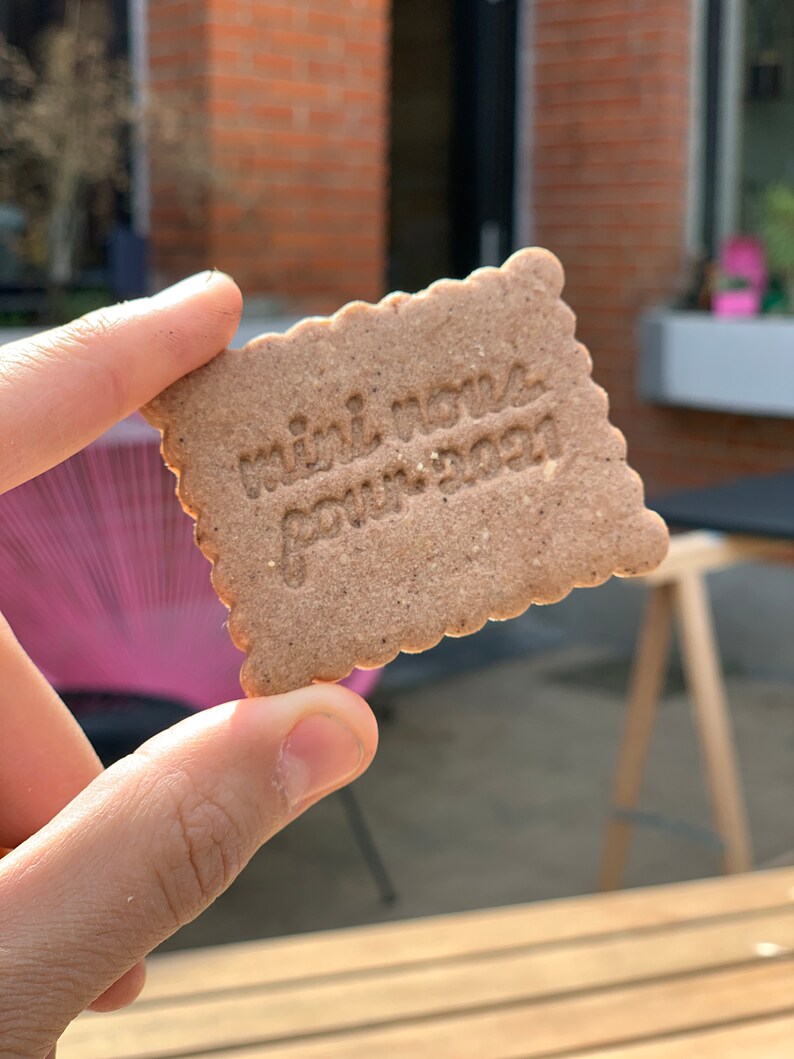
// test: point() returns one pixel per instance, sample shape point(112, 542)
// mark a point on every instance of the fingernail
point(320, 753)
point(186, 288)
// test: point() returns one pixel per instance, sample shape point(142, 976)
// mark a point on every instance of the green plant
point(64, 116)
point(777, 228)
point(67, 117)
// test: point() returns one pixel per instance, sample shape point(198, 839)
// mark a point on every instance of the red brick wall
point(295, 109)
point(180, 242)
point(610, 130)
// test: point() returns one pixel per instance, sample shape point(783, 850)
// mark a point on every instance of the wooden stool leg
point(645, 685)
point(704, 677)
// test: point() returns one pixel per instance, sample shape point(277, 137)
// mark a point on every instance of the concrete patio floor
point(492, 787)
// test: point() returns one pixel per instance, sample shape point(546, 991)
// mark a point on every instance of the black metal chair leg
point(366, 843)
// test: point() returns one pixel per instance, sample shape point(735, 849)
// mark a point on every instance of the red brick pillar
point(295, 101)
point(177, 68)
point(609, 184)
point(610, 143)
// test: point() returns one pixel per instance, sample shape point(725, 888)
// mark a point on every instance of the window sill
point(696, 360)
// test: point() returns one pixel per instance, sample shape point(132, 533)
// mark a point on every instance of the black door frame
point(484, 132)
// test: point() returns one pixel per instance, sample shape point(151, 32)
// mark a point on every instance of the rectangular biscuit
point(368, 483)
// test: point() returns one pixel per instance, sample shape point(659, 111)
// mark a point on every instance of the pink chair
point(105, 589)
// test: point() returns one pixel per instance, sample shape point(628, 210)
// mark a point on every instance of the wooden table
point(695, 971)
point(678, 595)
point(747, 520)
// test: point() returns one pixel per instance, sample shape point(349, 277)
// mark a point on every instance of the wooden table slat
point(438, 990)
point(462, 934)
point(765, 1039)
point(559, 1028)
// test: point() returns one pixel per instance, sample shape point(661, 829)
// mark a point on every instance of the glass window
point(747, 131)
point(102, 204)
point(767, 134)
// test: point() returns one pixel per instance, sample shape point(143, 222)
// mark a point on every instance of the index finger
point(62, 388)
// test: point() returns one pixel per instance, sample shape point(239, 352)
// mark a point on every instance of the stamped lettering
point(388, 482)
point(312, 451)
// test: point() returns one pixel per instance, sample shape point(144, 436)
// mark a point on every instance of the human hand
point(108, 864)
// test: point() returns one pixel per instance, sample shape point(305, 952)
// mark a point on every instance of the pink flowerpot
point(743, 255)
point(736, 303)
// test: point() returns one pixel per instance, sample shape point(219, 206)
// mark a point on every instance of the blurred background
point(326, 150)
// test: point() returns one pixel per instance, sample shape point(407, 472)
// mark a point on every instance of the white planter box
point(697, 360)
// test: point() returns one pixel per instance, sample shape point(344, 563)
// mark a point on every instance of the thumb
point(154, 840)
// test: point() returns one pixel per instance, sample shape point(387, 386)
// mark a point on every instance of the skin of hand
point(106, 865)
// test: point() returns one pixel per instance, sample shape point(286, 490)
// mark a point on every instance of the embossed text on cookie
point(517, 433)
point(449, 469)
point(350, 437)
